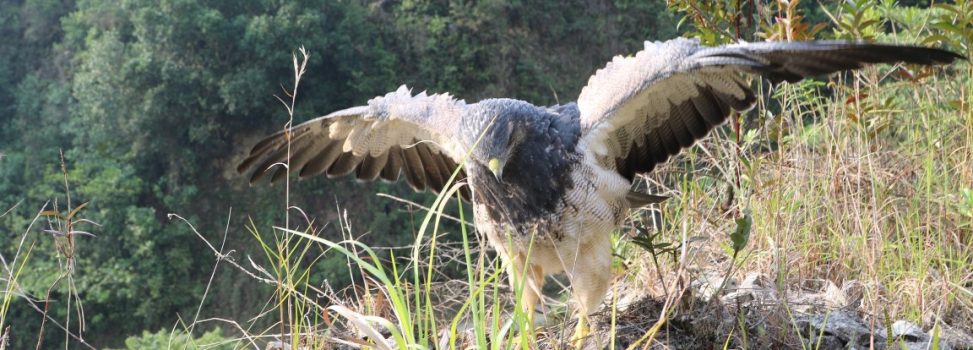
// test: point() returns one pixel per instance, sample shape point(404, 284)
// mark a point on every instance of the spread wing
point(393, 134)
point(640, 110)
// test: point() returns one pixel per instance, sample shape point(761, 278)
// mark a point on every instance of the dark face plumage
point(520, 169)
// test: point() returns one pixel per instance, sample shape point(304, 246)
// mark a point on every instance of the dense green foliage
point(153, 102)
point(164, 339)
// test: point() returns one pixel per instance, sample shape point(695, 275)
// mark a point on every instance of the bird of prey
point(549, 184)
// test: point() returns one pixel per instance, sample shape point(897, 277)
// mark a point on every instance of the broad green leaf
point(741, 235)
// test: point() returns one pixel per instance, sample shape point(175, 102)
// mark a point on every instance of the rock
point(907, 331)
point(829, 297)
point(848, 328)
point(853, 293)
point(956, 337)
point(708, 284)
point(755, 289)
point(911, 336)
point(277, 345)
point(827, 341)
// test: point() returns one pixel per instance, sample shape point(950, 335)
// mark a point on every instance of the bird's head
point(498, 144)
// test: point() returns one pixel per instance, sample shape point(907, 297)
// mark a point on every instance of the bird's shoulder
point(565, 122)
point(509, 106)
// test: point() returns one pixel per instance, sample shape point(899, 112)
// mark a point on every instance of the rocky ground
point(715, 314)
point(752, 314)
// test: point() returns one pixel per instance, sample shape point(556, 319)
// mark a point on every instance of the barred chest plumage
point(530, 196)
point(550, 204)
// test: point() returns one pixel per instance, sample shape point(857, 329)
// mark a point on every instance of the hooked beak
point(496, 167)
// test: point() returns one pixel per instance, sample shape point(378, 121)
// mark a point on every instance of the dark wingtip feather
point(257, 153)
point(258, 174)
point(265, 142)
point(412, 165)
point(370, 167)
point(245, 164)
point(393, 165)
point(881, 53)
point(344, 165)
point(279, 174)
point(434, 175)
point(793, 61)
point(930, 55)
point(322, 161)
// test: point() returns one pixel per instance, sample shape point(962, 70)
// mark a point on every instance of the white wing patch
point(382, 126)
point(635, 95)
point(373, 140)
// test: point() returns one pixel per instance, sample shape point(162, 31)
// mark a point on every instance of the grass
point(866, 193)
point(839, 201)
point(867, 190)
point(12, 273)
point(414, 318)
point(63, 229)
point(394, 300)
point(869, 194)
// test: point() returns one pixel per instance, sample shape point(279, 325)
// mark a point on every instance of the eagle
point(549, 184)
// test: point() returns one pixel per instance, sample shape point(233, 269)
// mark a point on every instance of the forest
point(124, 223)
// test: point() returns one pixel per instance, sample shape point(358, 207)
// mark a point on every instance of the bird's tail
point(638, 199)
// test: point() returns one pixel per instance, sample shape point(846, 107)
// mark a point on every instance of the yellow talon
point(526, 333)
point(581, 332)
point(530, 315)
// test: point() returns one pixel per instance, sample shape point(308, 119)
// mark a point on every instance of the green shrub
point(166, 339)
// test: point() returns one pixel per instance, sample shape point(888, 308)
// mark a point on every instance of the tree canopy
point(153, 102)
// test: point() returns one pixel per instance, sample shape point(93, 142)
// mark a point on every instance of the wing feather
point(434, 175)
point(393, 167)
point(640, 110)
point(344, 165)
point(321, 161)
point(693, 122)
point(414, 172)
point(681, 112)
point(394, 133)
point(371, 167)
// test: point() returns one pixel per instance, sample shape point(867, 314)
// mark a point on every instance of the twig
point(228, 258)
point(80, 340)
point(212, 275)
point(420, 206)
point(283, 247)
point(243, 331)
point(12, 208)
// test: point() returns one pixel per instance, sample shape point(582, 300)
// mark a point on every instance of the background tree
point(153, 103)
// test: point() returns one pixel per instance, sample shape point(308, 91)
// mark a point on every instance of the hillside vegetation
point(124, 224)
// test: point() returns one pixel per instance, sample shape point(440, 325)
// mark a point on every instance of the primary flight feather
point(555, 181)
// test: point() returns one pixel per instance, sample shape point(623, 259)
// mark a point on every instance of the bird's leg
point(590, 276)
point(528, 300)
point(529, 279)
point(581, 331)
